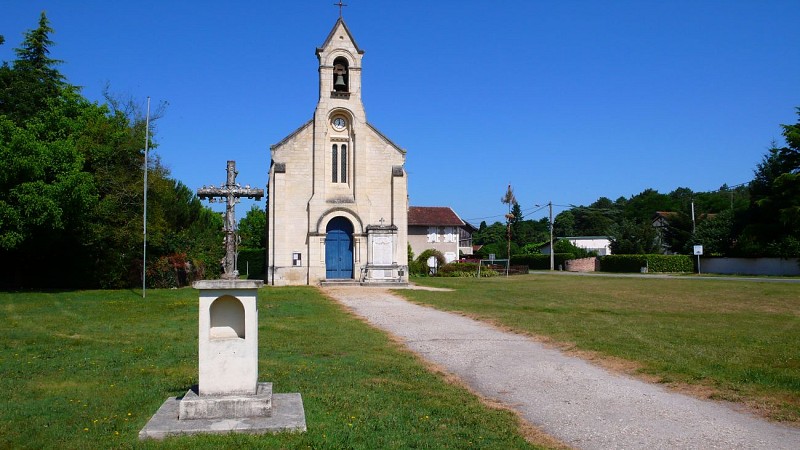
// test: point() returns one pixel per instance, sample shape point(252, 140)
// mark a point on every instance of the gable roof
point(383, 136)
point(664, 214)
point(291, 135)
point(321, 48)
point(433, 215)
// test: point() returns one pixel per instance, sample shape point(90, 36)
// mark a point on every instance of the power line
point(534, 209)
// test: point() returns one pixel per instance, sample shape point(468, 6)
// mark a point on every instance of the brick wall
point(581, 265)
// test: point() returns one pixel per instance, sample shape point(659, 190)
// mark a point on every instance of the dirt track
point(578, 403)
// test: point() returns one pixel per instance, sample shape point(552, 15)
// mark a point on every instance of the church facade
point(337, 189)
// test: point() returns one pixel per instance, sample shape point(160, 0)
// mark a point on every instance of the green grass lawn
point(89, 369)
point(733, 340)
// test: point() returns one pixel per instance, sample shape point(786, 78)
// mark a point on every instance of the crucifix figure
point(232, 193)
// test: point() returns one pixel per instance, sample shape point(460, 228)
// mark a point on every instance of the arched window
point(344, 163)
point(334, 165)
point(341, 75)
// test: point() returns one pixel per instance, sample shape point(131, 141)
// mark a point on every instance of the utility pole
point(552, 250)
point(144, 215)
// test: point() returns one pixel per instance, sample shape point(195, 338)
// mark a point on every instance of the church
point(337, 189)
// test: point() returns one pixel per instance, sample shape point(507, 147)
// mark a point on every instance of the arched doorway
point(339, 249)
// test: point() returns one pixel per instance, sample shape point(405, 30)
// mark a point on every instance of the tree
point(773, 218)
point(489, 234)
point(564, 224)
point(71, 189)
point(34, 79)
point(678, 232)
point(596, 220)
point(565, 246)
point(516, 221)
point(641, 207)
point(509, 199)
point(715, 234)
point(528, 232)
point(632, 238)
point(252, 228)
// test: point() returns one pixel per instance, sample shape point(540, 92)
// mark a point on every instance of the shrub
point(423, 257)
point(565, 246)
point(541, 262)
point(417, 268)
point(670, 263)
point(168, 272)
point(487, 272)
point(420, 266)
point(458, 269)
point(654, 263)
point(622, 263)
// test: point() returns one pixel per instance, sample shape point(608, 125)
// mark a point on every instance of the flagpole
point(144, 215)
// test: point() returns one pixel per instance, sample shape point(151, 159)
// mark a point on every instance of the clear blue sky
point(566, 100)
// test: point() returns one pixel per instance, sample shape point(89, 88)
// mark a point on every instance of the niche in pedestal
point(228, 347)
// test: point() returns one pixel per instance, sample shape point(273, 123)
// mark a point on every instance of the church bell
point(339, 82)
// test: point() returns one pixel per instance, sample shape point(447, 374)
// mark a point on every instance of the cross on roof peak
point(340, 5)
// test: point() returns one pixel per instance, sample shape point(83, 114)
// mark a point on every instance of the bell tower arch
point(340, 76)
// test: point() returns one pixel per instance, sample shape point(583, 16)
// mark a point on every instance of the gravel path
point(580, 404)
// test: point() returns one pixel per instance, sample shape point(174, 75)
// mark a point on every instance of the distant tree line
point(759, 218)
point(71, 188)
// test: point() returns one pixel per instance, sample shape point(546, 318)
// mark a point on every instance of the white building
point(599, 244)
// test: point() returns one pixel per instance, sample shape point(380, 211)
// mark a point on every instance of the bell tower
point(339, 68)
point(340, 152)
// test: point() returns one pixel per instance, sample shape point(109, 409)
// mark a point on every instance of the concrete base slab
point(288, 415)
point(194, 406)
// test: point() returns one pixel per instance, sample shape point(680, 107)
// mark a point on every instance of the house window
point(432, 235)
point(334, 165)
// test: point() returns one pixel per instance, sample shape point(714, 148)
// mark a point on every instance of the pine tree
point(33, 80)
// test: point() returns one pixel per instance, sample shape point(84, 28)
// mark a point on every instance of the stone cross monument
point(228, 397)
point(231, 193)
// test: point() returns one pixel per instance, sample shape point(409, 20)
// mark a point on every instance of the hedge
point(541, 262)
point(465, 269)
point(670, 263)
point(252, 258)
point(654, 263)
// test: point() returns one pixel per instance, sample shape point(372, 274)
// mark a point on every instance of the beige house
point(439, 228)
point(337, 189)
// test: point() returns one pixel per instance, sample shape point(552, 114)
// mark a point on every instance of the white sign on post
point(698, 251)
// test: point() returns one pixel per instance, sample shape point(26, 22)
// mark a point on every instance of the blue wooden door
point(339, 249)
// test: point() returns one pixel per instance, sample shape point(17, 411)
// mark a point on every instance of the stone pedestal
point(228, 336)
point(229, 397)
